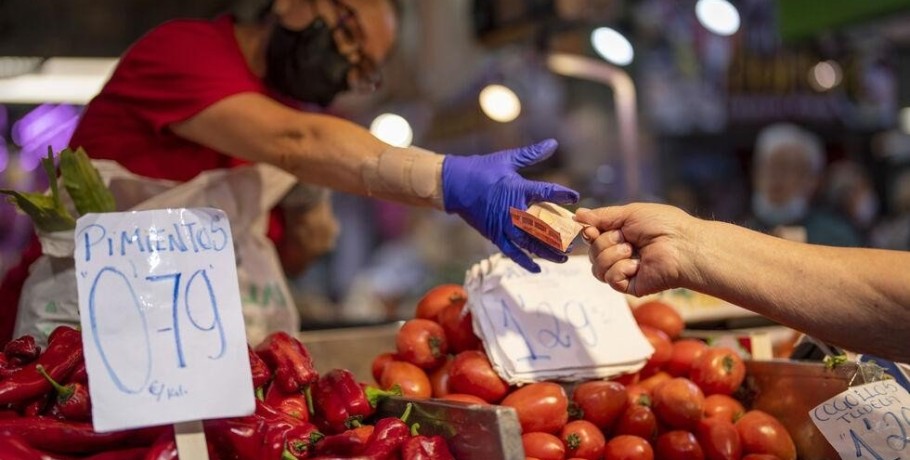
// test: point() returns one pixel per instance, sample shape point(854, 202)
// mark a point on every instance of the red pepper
point(426, 448)
point(289, 360)
point(22, 350)
point(260, 371)
point(347, 444)
point(236, 438)
point(57, 332)
point(14, 448)
point(6, 368)
point(341, 402)
point(36, 406)
point(300, 441)
point(73, 401)
point(133, 453)
point(59, 360)
point(388, 436)
point(64, 437)
point(80, 374)
point(295, 404)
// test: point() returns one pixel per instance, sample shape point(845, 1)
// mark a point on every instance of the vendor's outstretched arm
point(852, 297)
point(335, 153)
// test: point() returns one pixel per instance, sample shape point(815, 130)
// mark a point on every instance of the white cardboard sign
point(161, 318)
point(560, 324)
point(867, 421)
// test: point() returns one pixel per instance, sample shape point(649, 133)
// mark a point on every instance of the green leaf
point(47, 211)
point(46, 215)
point(84, 184)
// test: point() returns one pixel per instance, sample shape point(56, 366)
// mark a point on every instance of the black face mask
point(306, 65)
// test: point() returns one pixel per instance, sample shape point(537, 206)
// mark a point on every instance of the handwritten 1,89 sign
point(867, 421)
point(161, 318)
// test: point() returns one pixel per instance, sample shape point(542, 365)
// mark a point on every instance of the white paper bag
point(246, 194)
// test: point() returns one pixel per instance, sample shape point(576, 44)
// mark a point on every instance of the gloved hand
point(482, 188)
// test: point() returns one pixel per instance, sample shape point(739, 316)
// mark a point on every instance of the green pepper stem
point(62, 391)
point(309, 400)
point(415, 429)
point(374, 395)
point(407, 412)
point(260, 394)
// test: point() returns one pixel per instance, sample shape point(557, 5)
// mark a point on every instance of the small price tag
point(560, 324)
point(867, 421)
point(161, 318)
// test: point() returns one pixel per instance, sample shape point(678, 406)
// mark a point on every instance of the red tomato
point(638, 420)
point(659, 315)
point(761, 433)
point(412, 380)
point(723, 406)
point(626, 447)
point(678, 445)
point(541, 406)
point(718, 371)
point(685, 352)
point(679, 403)
point(471, 373)
point(438, 298)
point(456, 321)
point(601, 402)
point(663, 350)
point(718, 439)
point(654, 381)
point(583, 440)
point(379, 363)
point(761, 457)
point(439, 379)
point(461, 397)
point(626, 379)
point(637, 394)
point(544, 446)
point(422, 343)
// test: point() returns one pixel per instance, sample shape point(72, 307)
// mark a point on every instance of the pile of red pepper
point(45, 412)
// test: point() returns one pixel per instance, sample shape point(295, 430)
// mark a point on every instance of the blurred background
point(650, 100)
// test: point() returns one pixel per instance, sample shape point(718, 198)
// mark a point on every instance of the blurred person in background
point(194, 95)
point(788, 164)
point(848, 190)
point(893, 232)
point(855, 298)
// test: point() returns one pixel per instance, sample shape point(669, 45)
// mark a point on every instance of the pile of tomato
point(680, 405)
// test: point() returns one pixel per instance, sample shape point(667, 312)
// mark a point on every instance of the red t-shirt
point(172, 73)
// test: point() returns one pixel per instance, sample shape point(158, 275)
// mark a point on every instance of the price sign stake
point(867, 421)
point(161, 320)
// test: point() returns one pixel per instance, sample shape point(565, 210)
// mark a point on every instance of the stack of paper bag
point(560, 324)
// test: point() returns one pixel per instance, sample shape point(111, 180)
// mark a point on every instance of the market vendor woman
point(196, 95)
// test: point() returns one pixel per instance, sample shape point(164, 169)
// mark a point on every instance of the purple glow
point(4, 155)
point(46, 125)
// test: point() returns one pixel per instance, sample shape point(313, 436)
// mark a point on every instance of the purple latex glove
point(482, 188)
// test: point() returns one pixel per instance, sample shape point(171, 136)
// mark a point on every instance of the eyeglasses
point(349, 36)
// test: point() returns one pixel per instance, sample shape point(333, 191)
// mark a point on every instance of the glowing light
point(905, 119)
point(718, 16)
point(612, 46)
point(825, 75)
point(500, 103)
point(392, 129)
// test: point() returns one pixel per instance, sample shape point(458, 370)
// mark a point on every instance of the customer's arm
point(855, 298)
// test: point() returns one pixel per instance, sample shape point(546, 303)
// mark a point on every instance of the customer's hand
point(482, 188)
point(639, 249)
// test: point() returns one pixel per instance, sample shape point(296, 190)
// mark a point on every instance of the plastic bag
point(247, 194)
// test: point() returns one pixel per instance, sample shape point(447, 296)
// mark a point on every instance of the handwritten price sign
point(161, 318)
point(867, 421)
point(558, 324)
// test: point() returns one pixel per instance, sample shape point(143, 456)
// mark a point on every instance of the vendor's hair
point(251, 11)
point(778, 135)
